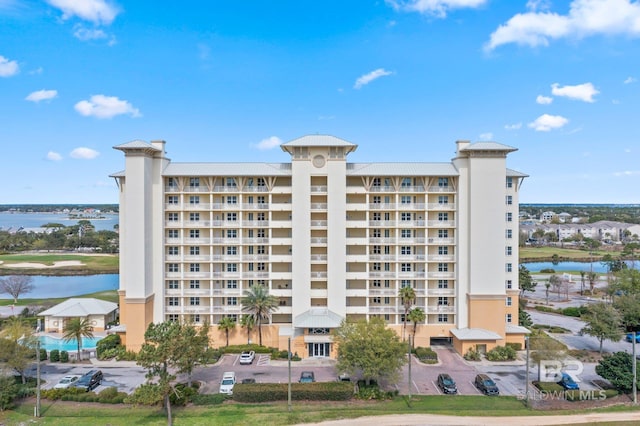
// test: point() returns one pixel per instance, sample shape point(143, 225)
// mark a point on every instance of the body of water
point(69, 286)
point(50, 343)
point(597, 267)
point(13, 221)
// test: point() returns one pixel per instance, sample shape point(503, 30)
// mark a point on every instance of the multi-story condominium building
point(329, 238)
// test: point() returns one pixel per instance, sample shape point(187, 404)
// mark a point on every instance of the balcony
point(441, 275)
point(382, 309)
point(441, 241)
point(320, 257)
point(256, 223)
point(440, 309)
point(321, 274)
point(318, 206)
point(318, 188)
point(442, 206)
point(441, 258)
point(382, 292)
point(387, 257)
point(258, 206)
point(318, 223)
point(418, 188)
point(441, 292)
point(382, 223)
point(356, 309)
point(196, 292)
point(318, 241)
point(441, 189)
point(382, 206)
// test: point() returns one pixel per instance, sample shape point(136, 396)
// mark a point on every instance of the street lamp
point(526, 373)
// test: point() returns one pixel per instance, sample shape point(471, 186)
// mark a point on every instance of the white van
point(227, 382)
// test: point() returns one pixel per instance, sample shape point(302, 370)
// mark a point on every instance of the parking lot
point(126, 376)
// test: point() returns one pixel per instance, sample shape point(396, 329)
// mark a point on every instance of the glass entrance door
point(319, 349)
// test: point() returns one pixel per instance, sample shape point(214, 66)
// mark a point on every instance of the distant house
point(547, 216)
point(98, 312)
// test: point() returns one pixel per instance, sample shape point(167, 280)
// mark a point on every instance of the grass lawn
point(109, 296)
point(102, 264)
point(545, 253)
point(61, 413)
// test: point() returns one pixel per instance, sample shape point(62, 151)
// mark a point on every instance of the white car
point(247, 357)
point(227, 382)
point(66, 381)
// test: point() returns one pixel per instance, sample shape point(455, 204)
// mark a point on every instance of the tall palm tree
point(248, 321)
point(77, 328)
point(407, 295)
point(416, 315)
point(226, 324)
point(260, 304)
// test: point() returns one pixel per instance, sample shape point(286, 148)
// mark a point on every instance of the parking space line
point(415, 385)
point(475, 388)
point(437, 388)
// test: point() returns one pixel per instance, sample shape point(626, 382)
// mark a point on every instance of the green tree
point(556, 283)
point(258, 302)
point(195, 343)
point(592, 277)
point(544, 348)
point(526, 283)
point(8, 391)
point(628, 305)
point(226, 324)
point(602, 322)
point(77, 328)
point(547, 284)
point(627, 281)
point(17, 345)
point(416, 316)
point(524, 319)
point(247, 322)
point(618, 369)
point(407, 296)
point(369, 349)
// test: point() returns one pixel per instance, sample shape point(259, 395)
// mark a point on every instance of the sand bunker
point(42, 265)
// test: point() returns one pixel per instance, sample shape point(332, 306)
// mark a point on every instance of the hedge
point(426, 355)
point(318, 391)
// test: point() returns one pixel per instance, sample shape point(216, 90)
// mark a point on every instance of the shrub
point(514, 346)
point(426, 355)
point(183, 394)
point(54, 356)
point(472, 355)
point(111, 396)
point(110, 342)
point(43, 354)
point(574, 311)
point(548, 271)
point(374, 393)
point(64, 356)
point(236, 349)
point(208, 399)
point(501, 353)
point(8, 392)
point(125, 355)
point(318, 391)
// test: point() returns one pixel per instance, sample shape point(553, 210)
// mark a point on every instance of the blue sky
point(403, 79)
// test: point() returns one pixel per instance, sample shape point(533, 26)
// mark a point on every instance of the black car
point(446, 383)
point(486, 385)
point(89, 381)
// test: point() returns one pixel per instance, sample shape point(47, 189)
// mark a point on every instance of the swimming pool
point(49, 343)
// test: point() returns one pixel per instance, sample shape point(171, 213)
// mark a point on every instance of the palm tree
point(248, 321)
point(77, 328)
point(226, 324)
point(416, 315)
point(260, 304)
point(407, 295)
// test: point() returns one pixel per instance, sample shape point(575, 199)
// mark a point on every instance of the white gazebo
point(98, 312)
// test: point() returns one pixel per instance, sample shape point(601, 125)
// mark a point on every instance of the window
point(261, 182)
point(387, 266)
point(443, 283)
point(376, 300)
point(172, 251)
point(508, 318)
point(232, 301)
point(195, 318)
point(232, 233)
point(509, 182)
point(443, 216)
point(386, 300)
point(443, 318)
point(443, 199)
point(509, 200)
point(262, 199)
point(405, 250)
point(194, 199)
point(508, 250)
point(173, 217)
point(194, 267)
point(194, 217)
point(443, 233)
point(509, 267)
point(405, 216)
point(443, 181)
point(376, 249)
point(376, 182)
point(194, 182)
point(375, 283)
point(509, 301)
point(376, 266)
point(443, 250)
point(194, 233)
point(194, 250)
point(260, 233)
point(173, 317)
point(376, 216)
point(405, 233)
point(232, 217)
point(231, 182)
point(443, 301)
point(172, 233)
point(173, 301)
point(232, 250)
point(173, 284)
point(405, 267)
point(194, 284)
point(172, 183)
point(406, 283)
point(261, 266)
point(232, 284)
point(194, 301)
point(232, 199)
point(509, 233)
point(387, 283)
point(377, 199)
point(173, 267)
point(509, 217)
point(172, 199)
point(232, 267)
point(376, 233)
point(261, 250)
point(406, 182)
point(405, 199)
point(443, 267)
point(509, 284)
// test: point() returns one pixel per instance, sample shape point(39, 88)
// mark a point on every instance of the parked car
point(447, 384)
point(228, 382)
point(629, 337)
point(66, 381)
point(248, 381)
point(90, 380)
point(307, 377)
point(247, 357)
point(486, 385)
point(567, 382)
point(344, 377)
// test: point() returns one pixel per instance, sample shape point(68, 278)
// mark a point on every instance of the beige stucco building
point(330, 239)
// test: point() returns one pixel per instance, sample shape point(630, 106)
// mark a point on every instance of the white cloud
point(547, 122)
point(41, 95)
point(7, 67)
point(85, 34)
point(627, 173)
point(534, 5)
point(543, 100)
point(486, 136)
point(585, 18)
point(629, 80)
point(515, 126)
point(368, 78)
point(53, 156)
point(581, 92)
point(269, 143)
point(101, 106)
point(83, 153)
point(96, 11)
point(438, 8)
point(37, 71)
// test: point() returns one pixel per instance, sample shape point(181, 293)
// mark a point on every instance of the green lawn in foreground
point(273, 414)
